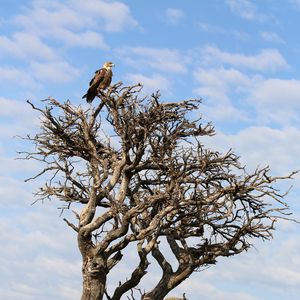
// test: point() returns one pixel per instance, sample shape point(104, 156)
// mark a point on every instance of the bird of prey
point(100, 81)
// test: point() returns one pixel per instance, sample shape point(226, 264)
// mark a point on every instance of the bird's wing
point(100, 74)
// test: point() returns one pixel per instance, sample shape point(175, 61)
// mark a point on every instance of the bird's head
point(108, 65)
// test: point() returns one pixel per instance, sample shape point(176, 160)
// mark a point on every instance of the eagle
point(100, 81)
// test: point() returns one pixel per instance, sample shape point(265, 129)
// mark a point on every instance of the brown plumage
point(101, 81)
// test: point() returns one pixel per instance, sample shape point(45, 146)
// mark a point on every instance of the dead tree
point(148, 178)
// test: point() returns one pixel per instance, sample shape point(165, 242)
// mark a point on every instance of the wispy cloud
point(12, 108)
point(265, 60)
point(44, 30)
point(151, 83)
point(250, 141)
point(73, 23)
point(17, 77)
point(232, 93)
point(57, 71)
point(272, 37)
point(37, 73)
point(246, 10)
point(220, 80)
point(165, 60)
point(115, 15)
point(45, 17)
point(279, 275)
point(216, 85)
point(213, 29)
point(17, 118)
point(276, 100)
point(174, 15)
point(208, 291)
point(46, 263)
point(25, 45)
point(210, 27)
point(85, 39)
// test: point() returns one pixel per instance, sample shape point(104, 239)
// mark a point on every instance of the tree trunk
point(94, 279)
point(158, 293)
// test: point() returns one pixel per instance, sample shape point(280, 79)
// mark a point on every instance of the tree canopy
point(142, 175)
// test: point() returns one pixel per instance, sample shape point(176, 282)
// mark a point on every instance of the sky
point(240, 57)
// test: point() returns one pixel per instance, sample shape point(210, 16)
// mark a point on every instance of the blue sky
point(241, 57)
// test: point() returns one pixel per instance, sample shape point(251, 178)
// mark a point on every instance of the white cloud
point(210, 27)
point(14, 108)
point(17, 77)
point(280, 273)
point(74, 23)
point(39, 72)
point(167, 60)
point(232, 94)
point(227, 88)
point(220, 80)
point(116, 15)
point(277, 100)
point(58, 72)
point(47, 21)
point(83, 39)
point(26, 45)
point(220, 110)
point(47, 264)
point(51, 19)
point(269, 270)
point(235, 33)
point(151, 83)
point(174, 15)
point(45, 17)
point(216, 86)
point(278, 91)
point(271, 37)
point(265, 60)
point(16, 118)
point(69, 292)
point(41, 16)
point(11, 166)
point(243, 8)
point(261, 145)
point(15, 46)
point(12, 189)
point(241, 35)
point(246, 10)
point(205, 290)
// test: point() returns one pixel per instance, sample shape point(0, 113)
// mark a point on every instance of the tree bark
point(94, 269)
point(94, 279)
point(159, 292)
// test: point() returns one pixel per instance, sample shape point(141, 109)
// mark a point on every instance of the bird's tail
point(88, 99)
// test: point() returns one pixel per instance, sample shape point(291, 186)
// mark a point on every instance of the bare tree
point(149, 179)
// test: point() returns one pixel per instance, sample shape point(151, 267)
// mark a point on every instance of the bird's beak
point(112, 65)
